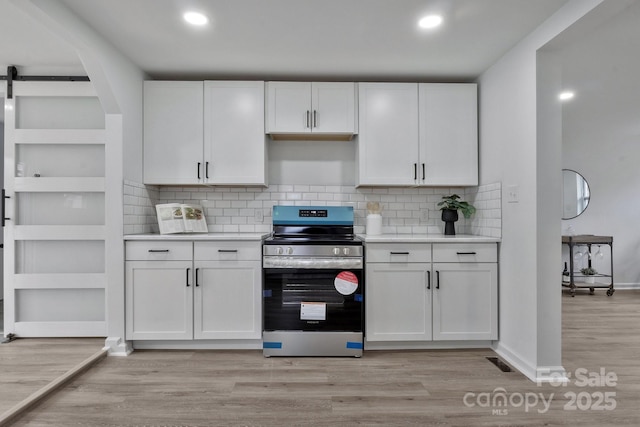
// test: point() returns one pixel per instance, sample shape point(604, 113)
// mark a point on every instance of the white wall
point(312, 162)
point(529, 332)
point(601, 136)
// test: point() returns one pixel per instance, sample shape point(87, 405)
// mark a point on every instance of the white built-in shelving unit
point(55, 278)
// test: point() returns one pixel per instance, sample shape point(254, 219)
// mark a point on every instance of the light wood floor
point(242, 388)
point(26, 365)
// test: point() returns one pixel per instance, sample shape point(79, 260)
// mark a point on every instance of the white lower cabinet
point(465, 298)
point(215, 294)
point(419, 292)
point(228, 291)
point(398, 302)
point(227, 300)
point(159, 300)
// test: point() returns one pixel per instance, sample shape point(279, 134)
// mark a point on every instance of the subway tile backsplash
point(139, 208)
point(248, 209)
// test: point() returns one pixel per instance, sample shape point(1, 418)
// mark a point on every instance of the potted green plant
point(450, 205)
point(589, 273)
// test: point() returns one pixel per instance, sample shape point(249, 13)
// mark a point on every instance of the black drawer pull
point(158, 250)
point(228, 251)
point(466, 253)
point(399, 253)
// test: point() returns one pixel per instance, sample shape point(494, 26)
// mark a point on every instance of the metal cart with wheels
point(588, 240)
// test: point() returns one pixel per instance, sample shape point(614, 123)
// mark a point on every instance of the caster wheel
point(609, 292)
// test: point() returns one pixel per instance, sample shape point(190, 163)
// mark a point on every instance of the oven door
point(310, 299)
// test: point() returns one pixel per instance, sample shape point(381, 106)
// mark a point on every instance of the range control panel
point(312, 213)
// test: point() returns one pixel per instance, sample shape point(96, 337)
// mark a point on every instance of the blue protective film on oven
point(357, 297)
point(267, 293)
point(353, 344)
point(272, 344)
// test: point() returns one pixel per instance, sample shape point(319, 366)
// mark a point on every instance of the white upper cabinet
point(448, 134)
point(311, 108)
point(418, 134)
point(204, 133)
point(334, 108)
point(173, 132)
point(388, 139)
point(234, 139)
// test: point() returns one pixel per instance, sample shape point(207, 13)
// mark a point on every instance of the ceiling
point(280, 39)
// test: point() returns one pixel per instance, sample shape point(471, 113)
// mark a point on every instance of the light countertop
point(381, 238)
point(427, 238)
point(198, 236)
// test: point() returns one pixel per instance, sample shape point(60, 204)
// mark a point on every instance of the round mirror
point(575, 194)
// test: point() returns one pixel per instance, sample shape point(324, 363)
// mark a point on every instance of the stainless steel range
point(313, 283)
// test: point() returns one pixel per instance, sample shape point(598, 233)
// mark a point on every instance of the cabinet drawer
point(228, 251)
point(465, 252)
point(398, 252)
point(158, 251)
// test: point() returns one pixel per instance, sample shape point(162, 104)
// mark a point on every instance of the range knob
point(279, 250)
point(289, 250)
point(346, 251)
point(336, 251)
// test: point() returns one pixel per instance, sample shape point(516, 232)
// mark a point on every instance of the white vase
point(590, 279)
point(374, 224)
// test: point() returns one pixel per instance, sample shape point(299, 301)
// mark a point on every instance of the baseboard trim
point(35, 398)
point(537, 374)
point(116, 346)
point(515, 361)
point(626, 286)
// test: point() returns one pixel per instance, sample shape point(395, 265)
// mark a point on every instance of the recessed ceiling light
point(430, 21)
point(195, 18)
point(566, 95)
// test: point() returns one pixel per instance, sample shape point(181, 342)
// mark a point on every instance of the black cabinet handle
point(315, 119)
point(428, 279)
point(399, 253)
point(415, 171)
point(437, 280)
point(4, 197)
point(199, 170)
point(206, 170)
point(158, 250)
point(423, 174)
point(307, 119)
point(466, 253)
point(188, 270)
point(197, 284)
point(228, 251)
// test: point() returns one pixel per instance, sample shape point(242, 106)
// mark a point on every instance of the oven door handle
point(312, 263)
